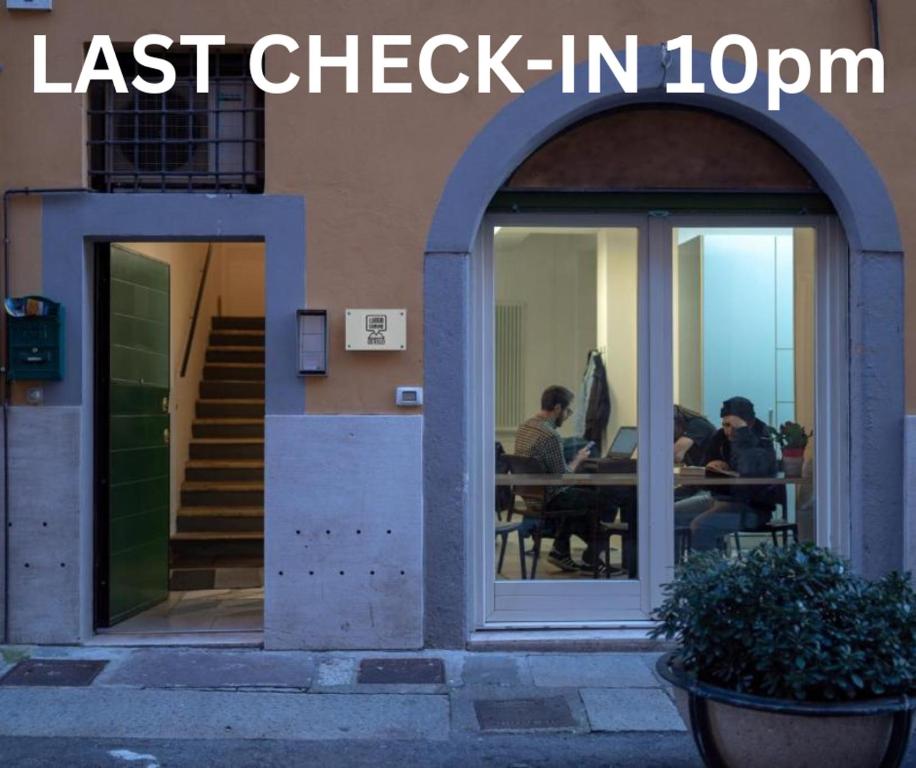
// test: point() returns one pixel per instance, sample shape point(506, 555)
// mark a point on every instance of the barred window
point(181, 140)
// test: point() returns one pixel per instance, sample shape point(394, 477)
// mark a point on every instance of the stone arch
point(842, 170)
point(817, 140)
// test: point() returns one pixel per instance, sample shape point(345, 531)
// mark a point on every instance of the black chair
point(505, 500)
point(535, 503)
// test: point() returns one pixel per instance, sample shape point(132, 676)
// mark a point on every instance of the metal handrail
point(197, 303)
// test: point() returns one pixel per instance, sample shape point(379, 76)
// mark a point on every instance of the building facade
point(377, 517)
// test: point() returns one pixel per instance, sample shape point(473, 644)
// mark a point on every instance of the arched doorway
point(456, 403)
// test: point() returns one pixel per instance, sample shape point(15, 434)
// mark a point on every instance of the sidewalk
point(179, 706)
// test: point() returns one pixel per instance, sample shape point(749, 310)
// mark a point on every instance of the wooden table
point(596, 479)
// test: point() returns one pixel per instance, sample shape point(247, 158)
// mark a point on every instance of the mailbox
point(35, 339)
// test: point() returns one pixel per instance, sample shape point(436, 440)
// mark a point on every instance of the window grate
point(179, 141)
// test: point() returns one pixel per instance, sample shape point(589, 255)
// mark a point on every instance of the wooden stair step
point(229, 420)
point(221, 486)
point(225, 463)
point(218, 536)
point(245, 348)
point(228, 440)
point(241, 322)
point(221, 512)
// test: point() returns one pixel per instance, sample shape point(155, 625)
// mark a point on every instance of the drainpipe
point(22, 191)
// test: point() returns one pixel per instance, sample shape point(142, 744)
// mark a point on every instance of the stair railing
point(197, 303)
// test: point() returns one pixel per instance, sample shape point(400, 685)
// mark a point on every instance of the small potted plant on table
point(786, 658)
point(793, 439)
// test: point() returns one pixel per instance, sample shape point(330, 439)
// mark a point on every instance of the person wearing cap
point(743, 447)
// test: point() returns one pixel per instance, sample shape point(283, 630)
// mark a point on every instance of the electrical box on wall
point(28, 5)
point(35, 339)
point(313, 342)
point(376, 330)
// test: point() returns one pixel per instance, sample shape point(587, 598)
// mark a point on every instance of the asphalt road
point(516, 751)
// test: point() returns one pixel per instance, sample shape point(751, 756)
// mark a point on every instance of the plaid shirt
point(538, 439)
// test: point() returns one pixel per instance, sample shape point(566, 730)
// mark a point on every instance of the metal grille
point(179, 141)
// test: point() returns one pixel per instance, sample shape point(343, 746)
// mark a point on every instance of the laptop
point(621, 456)
point(624, 443)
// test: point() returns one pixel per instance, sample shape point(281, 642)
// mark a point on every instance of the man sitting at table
point(538, 438)
point(743, 447)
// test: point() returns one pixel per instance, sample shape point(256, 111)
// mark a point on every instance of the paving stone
point(172, 668)
point(549, 713)
point(491, 670)
point(336, 672)
point(401, 672)
point(631, 709)
point(53, 672)
point(591, 670)
point(119, 713)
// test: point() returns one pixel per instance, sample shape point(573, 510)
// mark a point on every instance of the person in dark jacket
point(743, 447)
point(692, 433)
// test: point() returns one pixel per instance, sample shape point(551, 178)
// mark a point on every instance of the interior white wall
point(553, 275)
point(186, 262)
point(617, 277)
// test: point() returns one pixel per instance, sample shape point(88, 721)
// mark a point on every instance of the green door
point(135, 525)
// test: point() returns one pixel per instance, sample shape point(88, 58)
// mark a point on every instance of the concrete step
point(225, 470)
point(233, 338)
point(233, 390)
point(235, 355)
point(222, 448)
point(228, 408)
point(235, 322)
point(227, 428)
point(215, 519)
point(209, 494)
point(234, 372)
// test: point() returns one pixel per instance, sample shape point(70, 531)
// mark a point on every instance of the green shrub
point(791, 623)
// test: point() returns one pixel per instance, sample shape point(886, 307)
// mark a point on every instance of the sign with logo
point(376, 330)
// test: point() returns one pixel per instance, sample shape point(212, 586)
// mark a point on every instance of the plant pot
point(792, 461)
point(736, 730)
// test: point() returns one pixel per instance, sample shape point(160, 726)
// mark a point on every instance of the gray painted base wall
point(343, 525)
point(46, 595)
point(909, 493)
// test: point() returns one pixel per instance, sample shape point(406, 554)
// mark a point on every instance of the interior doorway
point(179, 437)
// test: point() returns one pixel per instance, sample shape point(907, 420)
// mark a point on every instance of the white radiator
point(510, 366)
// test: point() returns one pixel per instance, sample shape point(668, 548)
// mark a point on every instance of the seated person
point(743, 446)
point(692, 433)
point(538, 438)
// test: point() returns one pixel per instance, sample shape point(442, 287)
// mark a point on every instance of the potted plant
point(786, 658)
point(792, 438)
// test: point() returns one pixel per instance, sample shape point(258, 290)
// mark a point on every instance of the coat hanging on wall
point(594, 411)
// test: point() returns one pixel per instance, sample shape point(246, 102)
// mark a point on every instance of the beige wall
point(553, 276)
point(372, 167)
point(240, 278)
point(617, 294)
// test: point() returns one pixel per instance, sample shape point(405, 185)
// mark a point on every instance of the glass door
point(564, 396)
point(650, 386)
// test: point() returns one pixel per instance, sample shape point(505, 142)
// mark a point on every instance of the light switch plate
point(376, 330)
point(28, 5)
point(408, 397)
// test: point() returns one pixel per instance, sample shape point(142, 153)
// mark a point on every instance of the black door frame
point(102, 438)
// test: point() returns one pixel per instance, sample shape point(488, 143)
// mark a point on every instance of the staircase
point(219, 541)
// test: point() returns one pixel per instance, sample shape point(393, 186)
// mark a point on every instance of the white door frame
point(626, 605)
